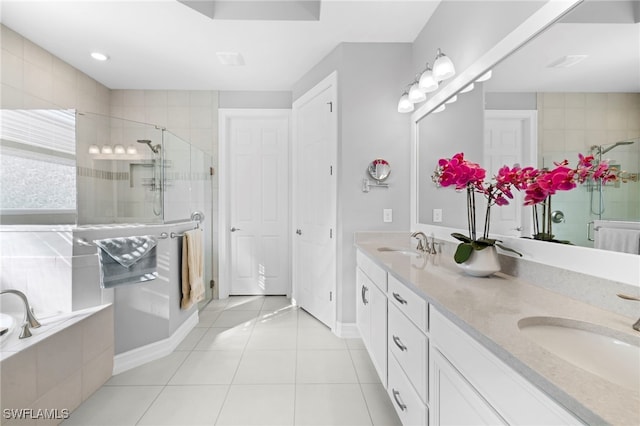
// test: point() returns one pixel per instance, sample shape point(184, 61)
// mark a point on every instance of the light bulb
point(119, 149)
point(106, 149)
point(427, 83)
point(484, 77)
point(94, 149)
point(131, 150)
point(415, 94)
point(404, 104)
point(469, 87)
point(440, 109)
point(451, 100)
point(443, 67)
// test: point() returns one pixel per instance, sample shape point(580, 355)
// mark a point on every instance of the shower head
point(604, 150)
point(153, 148)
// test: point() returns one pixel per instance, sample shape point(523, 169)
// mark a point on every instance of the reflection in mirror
point(564, 93)
point(379, 169)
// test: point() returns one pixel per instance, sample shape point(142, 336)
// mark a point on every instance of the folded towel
point(127, 260)
point(618, 239)
point(192, 269)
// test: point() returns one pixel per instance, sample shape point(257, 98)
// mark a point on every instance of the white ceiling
point(164, 44)
point(612, 65)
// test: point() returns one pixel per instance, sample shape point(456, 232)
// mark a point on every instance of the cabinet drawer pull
point(364, 295)
point(399, 298)
point(396, 396)
point(399, 344)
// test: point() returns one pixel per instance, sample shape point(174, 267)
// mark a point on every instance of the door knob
point(299, 231)
point(234, 229)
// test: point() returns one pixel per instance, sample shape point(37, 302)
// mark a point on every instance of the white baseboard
point(138, 356)
point(347, 330)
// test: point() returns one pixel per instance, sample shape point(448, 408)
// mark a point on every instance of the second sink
point(607, 353)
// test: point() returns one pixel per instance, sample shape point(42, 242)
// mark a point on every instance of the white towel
point(618, 239)
point(192, 269)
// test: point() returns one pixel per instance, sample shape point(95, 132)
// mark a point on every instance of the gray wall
point(256, 99)
point(511, 101)
point(465, 30)
point(370, 77)
point(459, 128)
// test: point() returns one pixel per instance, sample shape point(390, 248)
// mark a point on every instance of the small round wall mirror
point(379, 169)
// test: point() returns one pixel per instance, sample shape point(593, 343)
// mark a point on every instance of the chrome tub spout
point(31, 320)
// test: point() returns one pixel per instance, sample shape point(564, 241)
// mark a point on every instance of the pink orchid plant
point(463, 174)
point(540, 185)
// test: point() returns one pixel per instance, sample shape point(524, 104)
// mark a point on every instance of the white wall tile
point(58, 358)
point(12, 41)
point(38, 56)
point(12, 69)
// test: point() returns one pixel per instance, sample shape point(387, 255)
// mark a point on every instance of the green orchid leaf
point(460, 237)
point(463, 252)
point(509, 249)
point(479, 245)
point(487, 241)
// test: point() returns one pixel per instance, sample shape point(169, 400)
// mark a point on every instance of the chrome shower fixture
point(600, 149)
point(154, 148)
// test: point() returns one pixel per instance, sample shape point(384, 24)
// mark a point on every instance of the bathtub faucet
point(32, 321)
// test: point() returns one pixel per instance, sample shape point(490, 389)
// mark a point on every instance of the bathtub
point(65, 360)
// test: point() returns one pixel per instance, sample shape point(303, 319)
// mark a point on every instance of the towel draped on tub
point(127, 260)
point(192, 269)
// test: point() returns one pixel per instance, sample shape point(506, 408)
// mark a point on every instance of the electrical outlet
point(387, 215)
point(437, 215)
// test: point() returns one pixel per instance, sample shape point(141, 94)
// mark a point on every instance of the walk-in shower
point(155, 184)
point(597, 201)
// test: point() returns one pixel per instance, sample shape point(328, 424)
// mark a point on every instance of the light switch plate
point(437, 215)
point(387, 215)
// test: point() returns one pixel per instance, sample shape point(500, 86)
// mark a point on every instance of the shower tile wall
point(570, 123)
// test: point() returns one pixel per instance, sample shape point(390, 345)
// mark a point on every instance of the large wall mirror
point(573, 88)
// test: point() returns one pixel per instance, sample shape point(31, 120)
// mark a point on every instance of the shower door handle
point(234, 229)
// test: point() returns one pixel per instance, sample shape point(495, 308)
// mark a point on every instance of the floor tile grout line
point(366, 403)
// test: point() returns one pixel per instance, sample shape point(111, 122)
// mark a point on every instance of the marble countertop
point(489, 309)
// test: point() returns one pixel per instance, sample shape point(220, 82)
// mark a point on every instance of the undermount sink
point(405, 251)
point(607, 353)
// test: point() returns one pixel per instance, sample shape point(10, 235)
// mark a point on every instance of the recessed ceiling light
point(567, 61)
point(230, 58)
point(99, 56)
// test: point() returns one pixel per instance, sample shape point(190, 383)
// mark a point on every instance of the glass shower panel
point(119, 170)
point(177, 185)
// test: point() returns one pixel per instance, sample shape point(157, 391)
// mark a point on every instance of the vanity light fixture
point(443, 67)
point(107, 149)
point(469, 87)
point(427, 82)
point(415, 93)
point(440, 109)
point(451, 99)
point(404, 104)
point(484, 77)
point(98, 56)
point(131, 150)
point(118, 149)
point(94, 149)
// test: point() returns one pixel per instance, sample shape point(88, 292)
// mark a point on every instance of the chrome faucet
point(422, 241)
point(31, 320)
point(636, 325)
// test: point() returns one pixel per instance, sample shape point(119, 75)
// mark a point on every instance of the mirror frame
point(621, 267)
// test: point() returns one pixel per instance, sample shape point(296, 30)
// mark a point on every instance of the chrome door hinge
point(212, 283)
point(330, 106)
point(330, 296)
point(330, 233)
point(211, 171)
point(331, 170)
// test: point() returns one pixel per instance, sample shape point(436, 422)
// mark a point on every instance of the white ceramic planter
point(482, 263)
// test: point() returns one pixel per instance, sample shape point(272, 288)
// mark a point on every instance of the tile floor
point(250, 361)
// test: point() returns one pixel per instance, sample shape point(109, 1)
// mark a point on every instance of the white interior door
point(258, 184)
point(506, 135)
point(314, 255)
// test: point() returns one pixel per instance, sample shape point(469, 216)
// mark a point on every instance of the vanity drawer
point(410, 347)
point(409, 303)
point(404, 398)
point(375, 273)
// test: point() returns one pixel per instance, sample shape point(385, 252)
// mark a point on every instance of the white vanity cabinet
point(371, 312)
point(470, 385)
